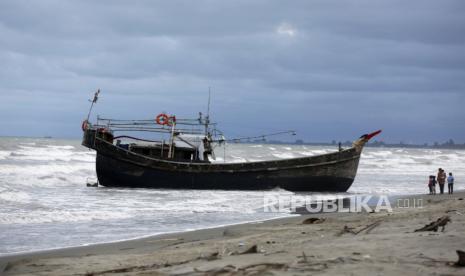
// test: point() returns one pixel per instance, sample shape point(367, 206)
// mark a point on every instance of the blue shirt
point(450, 179)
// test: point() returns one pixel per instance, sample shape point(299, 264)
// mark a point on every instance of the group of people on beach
point(440, 179)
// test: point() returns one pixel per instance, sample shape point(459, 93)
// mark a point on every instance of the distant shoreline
point(368, 145)
point(376, 144)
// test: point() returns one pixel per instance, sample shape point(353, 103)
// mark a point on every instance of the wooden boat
point(184, 160)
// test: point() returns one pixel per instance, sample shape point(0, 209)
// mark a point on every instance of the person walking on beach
point(441, 177)
point(450, 183)
point(432, 185)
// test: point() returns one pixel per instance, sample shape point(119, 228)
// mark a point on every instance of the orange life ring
point(162, 119)
point(84, 125)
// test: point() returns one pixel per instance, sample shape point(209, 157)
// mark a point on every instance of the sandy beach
point(326, 244)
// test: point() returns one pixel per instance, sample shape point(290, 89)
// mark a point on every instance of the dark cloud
point(331, 69)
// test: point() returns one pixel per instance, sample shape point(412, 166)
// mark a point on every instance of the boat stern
point(90, 133)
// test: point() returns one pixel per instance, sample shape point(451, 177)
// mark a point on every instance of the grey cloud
point(341, 66)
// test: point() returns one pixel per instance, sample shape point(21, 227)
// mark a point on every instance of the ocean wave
point(50, 154)
point(45, 175)
point(317, 152)
point(307, 153)
point(422, 160)
point(55, 216)
point(28, 143)
point(4, 154)
point(381, 153)
point(256, 146)
point(283, 155)
point(67, 147)
point(14, 196)
point(254, 160)
point(236, 159)
point(15, 154)
point(443, 157)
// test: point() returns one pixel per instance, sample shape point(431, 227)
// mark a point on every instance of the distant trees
point(450, 143)
point(299, 142)
point(377, 143)
point(447, 144)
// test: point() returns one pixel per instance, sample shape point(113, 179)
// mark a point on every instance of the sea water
point(44, 201)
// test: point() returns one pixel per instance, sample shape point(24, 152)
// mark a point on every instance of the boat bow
point(360, 142)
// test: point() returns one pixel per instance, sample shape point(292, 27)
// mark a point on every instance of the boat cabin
point(182, 145)
point(195, 149)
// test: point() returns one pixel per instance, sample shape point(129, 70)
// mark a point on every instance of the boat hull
point(333, 172)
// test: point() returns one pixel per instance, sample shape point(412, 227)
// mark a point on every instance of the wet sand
point(337, 244)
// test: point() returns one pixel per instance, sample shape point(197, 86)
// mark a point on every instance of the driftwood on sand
point(461, 261)
point(313, 221)
point(368, 228)
point(251, 250)
point(433, 226)
point(252, 269)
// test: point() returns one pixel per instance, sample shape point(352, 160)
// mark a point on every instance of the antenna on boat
point(207, 118)
point(209, 97)
point(93, 102)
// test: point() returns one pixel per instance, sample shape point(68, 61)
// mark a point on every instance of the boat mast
point(92, 104)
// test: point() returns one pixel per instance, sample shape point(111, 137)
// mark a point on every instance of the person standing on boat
point(441, 179)
point(450, 183)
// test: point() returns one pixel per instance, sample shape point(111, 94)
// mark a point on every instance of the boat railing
point(187, 126)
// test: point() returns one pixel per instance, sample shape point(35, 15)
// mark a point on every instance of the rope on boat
point(135, 138)
point(292, 132)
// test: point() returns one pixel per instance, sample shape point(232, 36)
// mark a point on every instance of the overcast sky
point(328, 69)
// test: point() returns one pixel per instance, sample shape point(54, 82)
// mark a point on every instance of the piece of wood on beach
point(368, 228)
point(372, 226)
point(4, 267)
point(346, 229)
point(461, 255)
point(252, 269)
point(433, 226)
point(313, 221)
point(210, 257)
point(253, 249)
point(304, 257)
point(454, 211)
point(262, 268)
point(228, 270)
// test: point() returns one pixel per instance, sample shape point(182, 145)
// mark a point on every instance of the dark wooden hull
point(334, 172)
